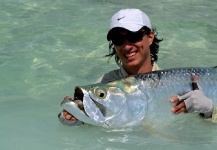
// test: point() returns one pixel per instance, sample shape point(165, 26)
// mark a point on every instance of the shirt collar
point(124, 73)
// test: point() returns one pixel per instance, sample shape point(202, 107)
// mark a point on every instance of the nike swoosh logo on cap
point(121, 18)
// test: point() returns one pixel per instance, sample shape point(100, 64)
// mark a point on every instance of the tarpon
point(139, 99)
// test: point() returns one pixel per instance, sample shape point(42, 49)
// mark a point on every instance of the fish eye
point(100, 93)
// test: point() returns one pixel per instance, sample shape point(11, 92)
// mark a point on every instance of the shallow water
point(48, 47)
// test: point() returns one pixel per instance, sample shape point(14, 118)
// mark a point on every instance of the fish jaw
point(73, 109)
point(90, 114)
point(91, 109)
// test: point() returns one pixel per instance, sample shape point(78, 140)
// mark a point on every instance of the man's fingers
point(182, 110)
point(65, 112)
point(68, 97)
point(179, 108)
point(180, 105)
point(68, 116)
point(195, 78)
point(174, 99)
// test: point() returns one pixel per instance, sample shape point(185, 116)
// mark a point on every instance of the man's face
point(136, 53)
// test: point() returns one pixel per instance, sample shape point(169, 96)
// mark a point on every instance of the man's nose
point(127, 44)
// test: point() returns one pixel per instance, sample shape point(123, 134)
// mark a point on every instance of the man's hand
point(68, 119)
point(194, 102)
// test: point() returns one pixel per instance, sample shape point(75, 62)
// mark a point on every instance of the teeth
point(130, 55)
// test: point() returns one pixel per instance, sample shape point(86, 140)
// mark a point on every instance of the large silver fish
point(140, 99)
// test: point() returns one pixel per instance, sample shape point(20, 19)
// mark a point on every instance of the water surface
point(49, 46)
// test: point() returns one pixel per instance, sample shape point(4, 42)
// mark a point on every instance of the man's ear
point(151, 37)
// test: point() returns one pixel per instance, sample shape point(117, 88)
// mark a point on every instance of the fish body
point(139, 99)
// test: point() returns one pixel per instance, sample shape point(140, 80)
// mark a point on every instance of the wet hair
point(154, 47)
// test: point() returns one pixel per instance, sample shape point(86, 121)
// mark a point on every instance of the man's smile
point(130, 54)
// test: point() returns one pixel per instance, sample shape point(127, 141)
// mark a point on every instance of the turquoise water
point(49, 46)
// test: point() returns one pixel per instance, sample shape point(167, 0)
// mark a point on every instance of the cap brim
point(128, 28)
point(109, 35)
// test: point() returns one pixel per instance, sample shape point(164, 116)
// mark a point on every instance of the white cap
point(130, 19)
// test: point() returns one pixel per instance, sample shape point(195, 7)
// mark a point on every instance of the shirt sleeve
point(214, 115)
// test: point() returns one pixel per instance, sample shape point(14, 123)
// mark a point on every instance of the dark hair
point(154, 47)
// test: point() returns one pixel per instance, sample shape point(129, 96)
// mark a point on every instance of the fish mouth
point(77, 101)
point(83, 108)
point(79, 97)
